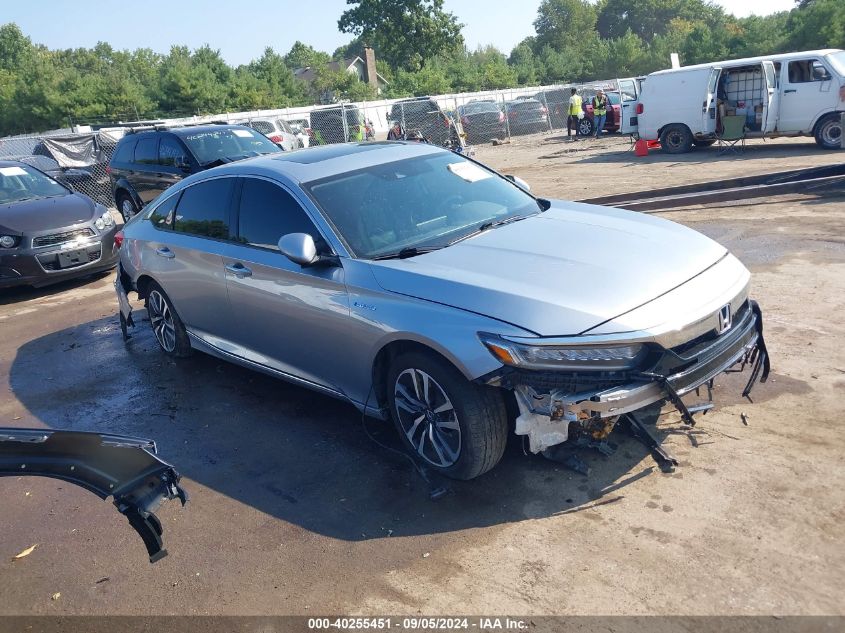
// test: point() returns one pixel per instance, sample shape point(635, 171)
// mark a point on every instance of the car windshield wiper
point(491, 224)
point(411, 251)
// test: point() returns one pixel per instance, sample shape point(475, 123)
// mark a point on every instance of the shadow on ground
point(291, 453)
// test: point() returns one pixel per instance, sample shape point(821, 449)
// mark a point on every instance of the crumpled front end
point(554, 406)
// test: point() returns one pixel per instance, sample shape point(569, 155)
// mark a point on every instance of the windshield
point(424, 202)
point(837, 60)
point(265, 127)
point(228, 144)
point(22, 182)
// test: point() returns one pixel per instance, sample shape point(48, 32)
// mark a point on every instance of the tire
point(459, 430)
point(126, 205)
point(168, 328)
point(829, 132)
point(585, 126)
point(676, 139)
point(703, 142)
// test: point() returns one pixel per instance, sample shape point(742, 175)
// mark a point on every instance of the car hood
point(43, 214)
point(558, 273)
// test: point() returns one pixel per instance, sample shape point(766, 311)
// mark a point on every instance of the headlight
point(567, 357)
point(105, 220)
point(8, 241)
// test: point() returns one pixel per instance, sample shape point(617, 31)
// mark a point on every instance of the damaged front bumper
point(595, 402)
point(124, 468)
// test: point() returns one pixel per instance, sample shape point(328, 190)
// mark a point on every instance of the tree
point(817, 24)
point(405, 33)
point(649, 18)
point(524, 63)
point(564, 23)
point(302, 55)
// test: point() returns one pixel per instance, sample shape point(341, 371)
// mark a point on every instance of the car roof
point(13, 163)
point(186, 130)
point(314, 163)
point(780, 57)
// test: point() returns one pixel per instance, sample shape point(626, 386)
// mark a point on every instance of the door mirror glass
point(519, 182)
point(299, 248)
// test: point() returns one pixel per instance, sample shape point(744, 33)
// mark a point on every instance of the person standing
point(396, 132)
point(575, 113)
point(599, 112)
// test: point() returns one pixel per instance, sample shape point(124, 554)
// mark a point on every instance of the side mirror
point(183, 165)
point(519, 182)
point(299, 248)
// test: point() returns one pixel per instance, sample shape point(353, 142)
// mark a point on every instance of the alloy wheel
point(161, 319)
point(427, 417)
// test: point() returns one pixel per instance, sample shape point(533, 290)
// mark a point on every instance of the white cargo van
point(794, 94)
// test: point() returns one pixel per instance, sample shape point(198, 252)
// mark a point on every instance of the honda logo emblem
point(724, 319)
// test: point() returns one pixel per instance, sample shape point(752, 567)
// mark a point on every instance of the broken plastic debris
point(26, 552)
point(56, 596)
point(426, 555)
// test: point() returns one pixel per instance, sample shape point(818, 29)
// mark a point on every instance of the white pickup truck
point(793, 94)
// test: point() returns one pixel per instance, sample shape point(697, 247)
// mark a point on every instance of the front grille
point(571, 382)
point(61, 238)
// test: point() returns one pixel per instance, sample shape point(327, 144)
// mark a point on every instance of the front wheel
point(676, 139)
point(829, 132)
point(167, 326)
point(453, 425)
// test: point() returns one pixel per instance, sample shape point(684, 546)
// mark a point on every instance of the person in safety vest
point(599, 112)
point(575, 113)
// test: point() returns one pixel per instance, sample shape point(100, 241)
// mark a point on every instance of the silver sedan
point(426, 288)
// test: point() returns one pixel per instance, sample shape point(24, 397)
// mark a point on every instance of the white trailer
point(793, 94)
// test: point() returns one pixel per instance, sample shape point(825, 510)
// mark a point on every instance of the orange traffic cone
point(641, 147)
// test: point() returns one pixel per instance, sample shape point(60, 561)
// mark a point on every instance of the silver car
point(426, 288)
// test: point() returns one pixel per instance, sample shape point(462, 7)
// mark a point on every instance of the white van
point(793, 94)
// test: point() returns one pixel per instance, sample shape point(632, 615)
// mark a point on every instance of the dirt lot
point(295, 511)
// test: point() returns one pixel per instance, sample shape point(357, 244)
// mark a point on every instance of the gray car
point(426, 288)
point(48, 232)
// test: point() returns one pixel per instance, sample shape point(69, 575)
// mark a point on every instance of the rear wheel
point(676, 139)
point(126, 205)
point(454, 426)
point(829, 132)
point(167, 326)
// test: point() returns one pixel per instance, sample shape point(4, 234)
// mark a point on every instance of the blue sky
point(241, 30)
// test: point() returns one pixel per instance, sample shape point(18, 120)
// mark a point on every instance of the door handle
point(791, 90)
point(165, 252)
point(239, 270)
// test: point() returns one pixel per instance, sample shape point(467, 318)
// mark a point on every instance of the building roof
point(309, 73)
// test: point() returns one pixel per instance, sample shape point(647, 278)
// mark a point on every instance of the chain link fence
point(80, 159)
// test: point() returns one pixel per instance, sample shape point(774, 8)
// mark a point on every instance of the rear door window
point(124, 152)
point(162, 215)
point(204, 209)
point(146, 151)
point(171, 152)
point(267, 212)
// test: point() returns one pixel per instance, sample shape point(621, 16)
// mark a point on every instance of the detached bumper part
point(125, 468)
point(546, 414)
point(122, 287)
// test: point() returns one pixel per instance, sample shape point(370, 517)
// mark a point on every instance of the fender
point(125, 185)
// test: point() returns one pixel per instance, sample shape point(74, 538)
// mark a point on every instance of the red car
point(614, 112)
